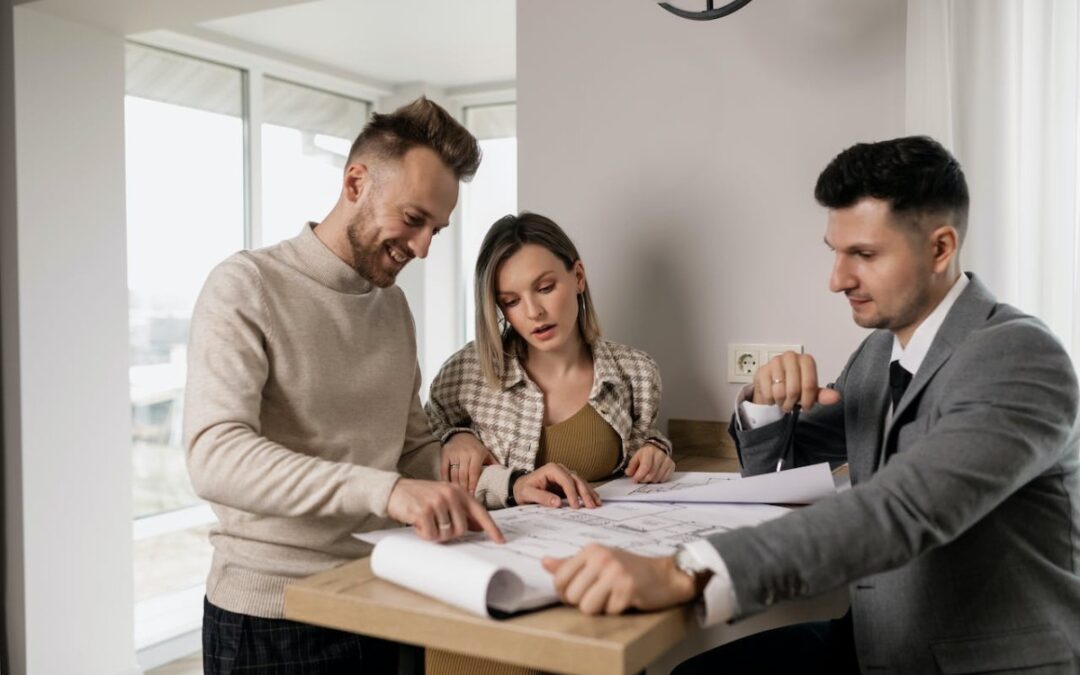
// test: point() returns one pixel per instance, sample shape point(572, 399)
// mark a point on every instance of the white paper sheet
point(480, 576)
point(463, 580)
point(803, 485)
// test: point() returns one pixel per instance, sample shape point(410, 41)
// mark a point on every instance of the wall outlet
point(744, 360)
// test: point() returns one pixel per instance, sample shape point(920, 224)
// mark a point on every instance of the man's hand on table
point(439, 511)
point(602, 580)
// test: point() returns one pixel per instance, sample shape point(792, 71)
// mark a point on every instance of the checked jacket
point(509, 419)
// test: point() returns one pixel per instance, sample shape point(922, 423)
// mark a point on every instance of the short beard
point(913, 310)
point(367, 258)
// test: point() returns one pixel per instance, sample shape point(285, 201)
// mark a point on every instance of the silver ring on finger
point(444, 525)
point(454, 465)
point(777, 381)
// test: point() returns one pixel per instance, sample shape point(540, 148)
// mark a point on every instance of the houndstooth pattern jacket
point(509, 419)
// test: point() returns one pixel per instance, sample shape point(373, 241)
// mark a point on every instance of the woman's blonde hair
point(496, 339)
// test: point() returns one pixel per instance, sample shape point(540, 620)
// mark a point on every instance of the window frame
point(488, 100)
point(445, 284)
point(166, 627)
point(442, 282)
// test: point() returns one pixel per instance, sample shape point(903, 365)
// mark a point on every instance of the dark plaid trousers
point(248, 645)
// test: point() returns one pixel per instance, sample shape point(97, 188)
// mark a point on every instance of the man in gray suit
point(960, 538)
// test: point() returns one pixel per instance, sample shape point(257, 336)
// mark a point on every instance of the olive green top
point(584, 443)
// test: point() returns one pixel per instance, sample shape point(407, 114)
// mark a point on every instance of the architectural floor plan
point(481, 576)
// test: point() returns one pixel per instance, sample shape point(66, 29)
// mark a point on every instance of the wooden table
point(560, 639)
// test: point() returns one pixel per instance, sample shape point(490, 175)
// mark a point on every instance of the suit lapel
point(966, 315)
point(872, 409)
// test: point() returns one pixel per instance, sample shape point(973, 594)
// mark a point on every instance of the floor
point(189, 665)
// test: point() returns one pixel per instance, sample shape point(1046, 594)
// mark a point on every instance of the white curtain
point(998, 83)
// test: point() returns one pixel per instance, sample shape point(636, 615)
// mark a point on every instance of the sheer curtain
point(998, 82)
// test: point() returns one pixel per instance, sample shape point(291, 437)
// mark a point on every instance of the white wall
point(72, 304)
point(681, 156)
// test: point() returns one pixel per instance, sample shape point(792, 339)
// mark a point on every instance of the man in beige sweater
point(302, 413)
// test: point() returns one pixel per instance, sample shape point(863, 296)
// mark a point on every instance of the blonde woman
point(540, 404)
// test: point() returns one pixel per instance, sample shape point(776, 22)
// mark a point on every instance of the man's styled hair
point(915, 174)
point(420, 123)
point(496, 339)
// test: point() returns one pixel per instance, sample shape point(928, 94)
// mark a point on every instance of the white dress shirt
point(718, 600)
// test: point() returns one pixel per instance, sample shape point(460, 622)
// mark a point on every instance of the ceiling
point(135, 16)
point(447, 43)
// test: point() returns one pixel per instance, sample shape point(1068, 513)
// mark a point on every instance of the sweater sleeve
point(230, 462)
point(420, 456)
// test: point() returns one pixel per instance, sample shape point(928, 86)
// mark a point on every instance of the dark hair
point(915, 174)
point(420, 123)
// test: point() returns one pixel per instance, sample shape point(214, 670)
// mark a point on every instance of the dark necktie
point(899, 379)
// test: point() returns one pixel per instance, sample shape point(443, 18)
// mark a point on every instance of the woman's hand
point(463, 458)
point(550, 483)
point(650, 464)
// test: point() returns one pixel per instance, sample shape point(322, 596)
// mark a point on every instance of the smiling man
point(302, 417)
point(958, 417)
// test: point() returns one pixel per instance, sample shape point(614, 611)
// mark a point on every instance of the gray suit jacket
point(963, 551)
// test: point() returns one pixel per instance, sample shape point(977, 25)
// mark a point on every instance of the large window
point(191, 188)
point(493, 191)
point(185, 212)
point(306, 135)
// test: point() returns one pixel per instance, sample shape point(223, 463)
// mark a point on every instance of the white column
point(76, 544)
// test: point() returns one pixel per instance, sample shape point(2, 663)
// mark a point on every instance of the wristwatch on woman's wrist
point(514, 475)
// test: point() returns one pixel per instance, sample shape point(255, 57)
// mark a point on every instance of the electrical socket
point(744, 359)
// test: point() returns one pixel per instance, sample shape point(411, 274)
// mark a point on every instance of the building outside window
point(185, 212)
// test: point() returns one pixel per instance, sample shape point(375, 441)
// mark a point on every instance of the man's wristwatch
point(514, 475)
point(688, 564)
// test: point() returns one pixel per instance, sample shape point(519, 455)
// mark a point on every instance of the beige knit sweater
point(301, 409)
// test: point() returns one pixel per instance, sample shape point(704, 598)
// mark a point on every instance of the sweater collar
point(323, 265)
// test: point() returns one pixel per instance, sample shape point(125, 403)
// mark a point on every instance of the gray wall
point(681, 157)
